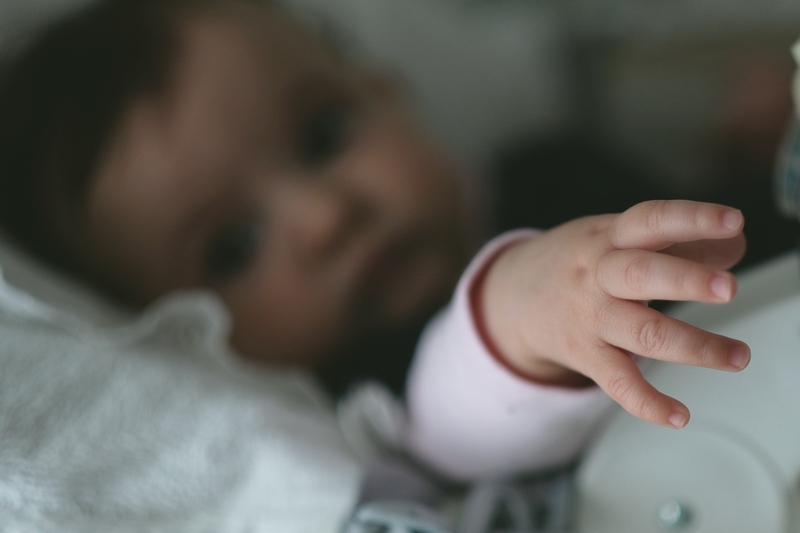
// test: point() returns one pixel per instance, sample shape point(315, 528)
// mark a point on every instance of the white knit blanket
point(111, 422)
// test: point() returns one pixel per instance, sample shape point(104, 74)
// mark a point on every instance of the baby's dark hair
point(61, 98)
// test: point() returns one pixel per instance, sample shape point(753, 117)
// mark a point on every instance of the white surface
point(727, 486)
point(738, 461)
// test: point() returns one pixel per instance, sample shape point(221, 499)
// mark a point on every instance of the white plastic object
point(735, 467)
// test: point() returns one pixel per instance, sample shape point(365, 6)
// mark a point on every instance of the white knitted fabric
point(111, 422)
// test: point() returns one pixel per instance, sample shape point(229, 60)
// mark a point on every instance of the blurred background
point(574, 107)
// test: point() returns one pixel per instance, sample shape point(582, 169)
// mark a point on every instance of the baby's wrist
point(546, 372)
point(500, 337)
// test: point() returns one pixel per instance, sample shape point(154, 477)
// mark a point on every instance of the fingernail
point(678, 420)
point(732, 219)
point(739, 356)
point(721, 287)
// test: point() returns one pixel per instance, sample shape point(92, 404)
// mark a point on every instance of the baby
point(155, 146)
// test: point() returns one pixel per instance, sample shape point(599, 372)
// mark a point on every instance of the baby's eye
point(325, 134)
point(231, 251)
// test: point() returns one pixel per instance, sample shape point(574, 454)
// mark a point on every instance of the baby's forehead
point(265, 21)
point(265, 37)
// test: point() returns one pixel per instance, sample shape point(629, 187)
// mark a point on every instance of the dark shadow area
point(541, 184)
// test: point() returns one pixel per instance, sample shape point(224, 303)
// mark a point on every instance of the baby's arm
point(496, 386)
point(470, 417)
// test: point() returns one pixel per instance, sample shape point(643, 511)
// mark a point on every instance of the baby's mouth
point(381, 262)
point(401, 276)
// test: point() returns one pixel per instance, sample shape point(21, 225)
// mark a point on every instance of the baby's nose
point(320, 219)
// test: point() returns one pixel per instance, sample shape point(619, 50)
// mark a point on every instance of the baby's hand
point(570, 303)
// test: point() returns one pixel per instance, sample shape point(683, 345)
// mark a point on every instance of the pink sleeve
point(470, 417)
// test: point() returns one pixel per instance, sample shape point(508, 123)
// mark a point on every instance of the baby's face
point(296, 188)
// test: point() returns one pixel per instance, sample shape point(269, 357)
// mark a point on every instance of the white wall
point(483, 72)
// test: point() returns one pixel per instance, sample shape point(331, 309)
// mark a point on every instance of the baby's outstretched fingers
point(646, 332)
point(617, 374)
point(657, 224)
point(642, 275)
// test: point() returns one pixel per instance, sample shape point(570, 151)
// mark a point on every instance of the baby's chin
point(422, 280)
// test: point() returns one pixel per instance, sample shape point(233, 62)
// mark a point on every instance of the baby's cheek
point(417, 177)
point(286, 325)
